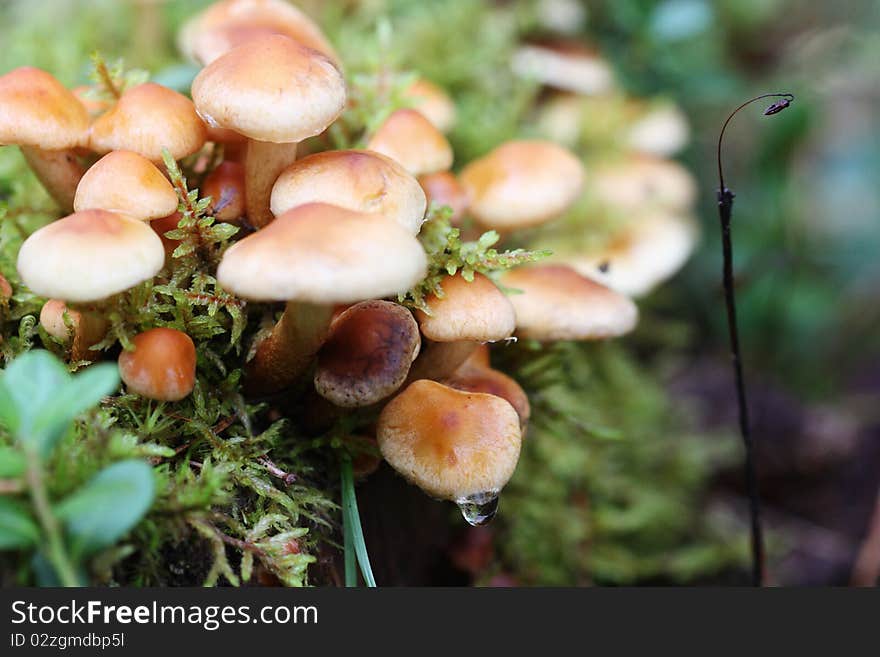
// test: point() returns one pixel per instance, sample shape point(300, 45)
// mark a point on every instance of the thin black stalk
point(725, 213)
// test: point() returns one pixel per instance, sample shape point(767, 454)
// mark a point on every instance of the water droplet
point(479, 509)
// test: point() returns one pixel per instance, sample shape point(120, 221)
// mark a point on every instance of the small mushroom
point(276, 93)
point(146, 119)
point(474, 377)
point(367, 354)
point(128, 183)
point(454, 445)
point(557, 303)
point(522, 184)
point(162, 365)
point(650, 249)
point(43, 118)
point(412, 140)
point(661, 131)
point(230, 23)
point(643, 182)
point(89, 256)
point(444, 189)
point(432, 102)
point(78, 329)
point(362, 181)
point(225, 186)
point(314, 257)
point(566, 65)
point(465, 316)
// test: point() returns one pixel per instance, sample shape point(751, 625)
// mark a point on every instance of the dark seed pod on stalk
point(725, 211)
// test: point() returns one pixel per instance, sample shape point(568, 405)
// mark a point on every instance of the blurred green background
point(806, 230)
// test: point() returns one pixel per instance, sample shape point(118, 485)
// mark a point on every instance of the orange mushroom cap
point(162, 365)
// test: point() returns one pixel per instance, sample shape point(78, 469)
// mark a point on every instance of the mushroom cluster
point(333, 235)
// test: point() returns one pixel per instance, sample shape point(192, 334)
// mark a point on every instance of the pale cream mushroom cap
point(662, 131)
point(640, 182)
point(432, 102)
point(565, 65)
point(649, 251)
point(147, 119)
point(476, 311)
point(522, 183)
point(557, 303)
point(323, 254)
point(449, 443)
point(272, 89)
point(89, 256)
point(37, 110)
point(230, 23)
point(363, 181)
point(126, 182)
point(412, 140)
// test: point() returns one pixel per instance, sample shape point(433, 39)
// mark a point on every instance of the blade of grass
point(353, 531)
point(348, 538)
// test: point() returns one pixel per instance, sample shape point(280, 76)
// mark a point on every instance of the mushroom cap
point(52, 318)
point(566, 65)
point(162, 365)
point(146, 119)
point(230, 23)
point(367, 354)
point(522, 183)
point(411, 139)
point(362, 181)
point(271, 89)
point(638, 182)
point(651, 249)
point(475, 378)
point(449, 443)
point(37, 110)
point(89, 256)
point(477, 311)
point(226, 187)
point(661, 131)
point(323, 254)
point(557, 303)
point(444, 189)
point(126, 182)
point(432, 102)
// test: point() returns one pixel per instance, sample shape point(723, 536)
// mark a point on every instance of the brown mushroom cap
point(146, 119)
point(323, 254)
point(640, 182)
point(273, 90)
point(557, 303)
point(475, 311)
point(432, 102)
point(451, 444)
point(473, 378)
point(522, 183)
point(411, 139)
point(367, 354)
point(230, 23)
point(225, 186)
point(357, 180)
point(126, 182)
point(89, 256)
point(37, 110)
point(162, 365)
point(443, 189)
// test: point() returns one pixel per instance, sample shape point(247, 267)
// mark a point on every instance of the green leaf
point(27, 391)
point(114, 501)
point(17, 529)
point(12, 462)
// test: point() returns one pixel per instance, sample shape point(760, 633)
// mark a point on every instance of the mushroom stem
point(58, 171)
point(439, 360)
point(84, 328)
point(263, 163)
point(288, 351)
